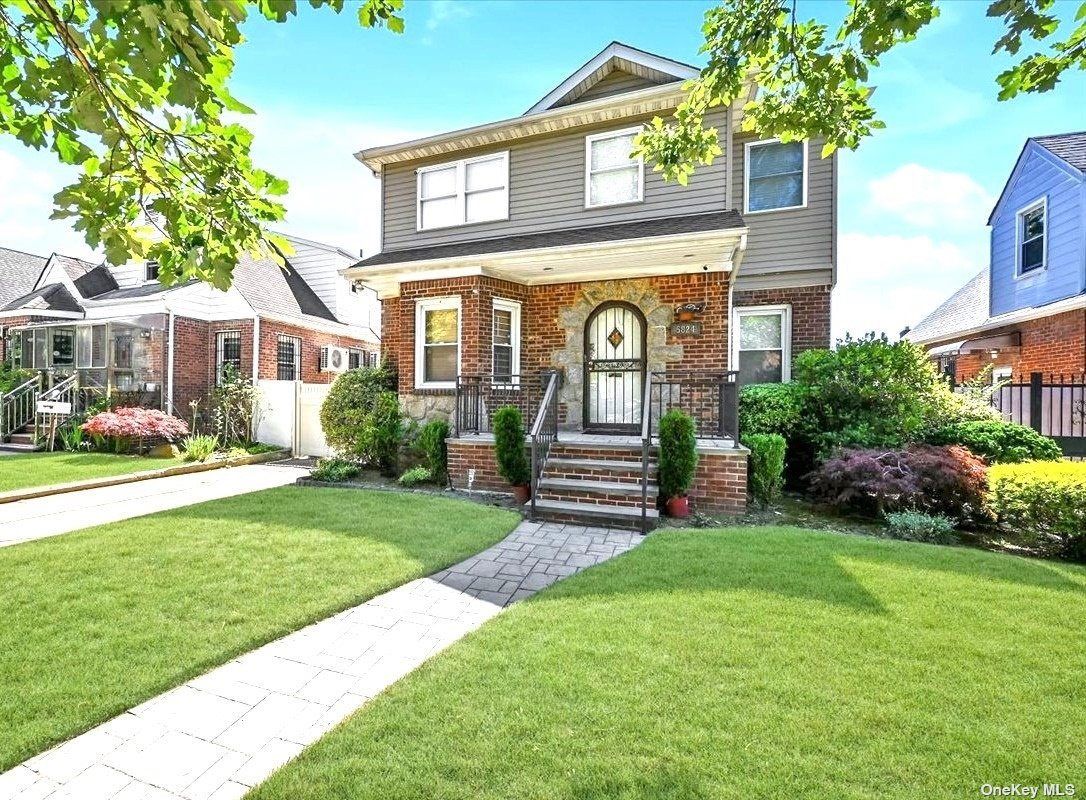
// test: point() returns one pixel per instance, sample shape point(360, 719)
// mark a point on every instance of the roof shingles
point(966, 309)
point(1071, 147)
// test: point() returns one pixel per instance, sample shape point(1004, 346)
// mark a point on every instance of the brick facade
point(810, 312)
point(312, 342)
point(1052, 345)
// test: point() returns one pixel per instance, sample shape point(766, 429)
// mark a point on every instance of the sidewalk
point(26, 520)
point(222, 733)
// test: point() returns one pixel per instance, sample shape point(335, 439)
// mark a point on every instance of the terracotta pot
point(522, 493)
point(678, 507)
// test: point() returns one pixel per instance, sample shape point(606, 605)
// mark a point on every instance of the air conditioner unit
point(333, 359)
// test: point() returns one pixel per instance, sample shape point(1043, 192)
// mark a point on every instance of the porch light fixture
point(687, 312)
point(994, 353)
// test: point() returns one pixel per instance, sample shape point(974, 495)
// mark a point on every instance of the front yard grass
point(48, 469)
point(99, 620)
point(741, 663)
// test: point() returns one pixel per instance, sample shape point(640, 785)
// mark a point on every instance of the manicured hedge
point(999, 442)
point(1042, 504)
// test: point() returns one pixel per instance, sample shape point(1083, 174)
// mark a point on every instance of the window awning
point(1002, 341)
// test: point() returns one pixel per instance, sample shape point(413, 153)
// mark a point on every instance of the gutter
point(169, 367)
point(1010, 318)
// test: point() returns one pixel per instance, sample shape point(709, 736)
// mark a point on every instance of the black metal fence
point(711, 399)
point(1053, 405)
point(479, 396)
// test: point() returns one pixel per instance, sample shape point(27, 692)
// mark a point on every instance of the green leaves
point(811, 85)
point(135, 92)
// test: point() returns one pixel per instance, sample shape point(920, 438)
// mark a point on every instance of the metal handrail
point(716, 420)
point(478, 396)
point(542, 439)
point(17, 407)
point(646, 446)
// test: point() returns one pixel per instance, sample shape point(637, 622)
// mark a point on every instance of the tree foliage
point(135, 92)
point(816, 83)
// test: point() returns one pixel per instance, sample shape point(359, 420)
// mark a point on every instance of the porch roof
point(628, 249)
point(53, 297)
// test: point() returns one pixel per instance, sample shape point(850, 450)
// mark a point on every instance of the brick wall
point(468, 454)
point(1055, 344)
point(720, 483)
point(810, 312)
point(312, 341)
point(195, 355)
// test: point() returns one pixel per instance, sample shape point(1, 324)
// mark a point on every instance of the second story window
point(776, 175)
point(611, 175)
point(472, 190)
point(151, 273)
point(1031, 238)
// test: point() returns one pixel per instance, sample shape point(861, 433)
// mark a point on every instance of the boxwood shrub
point(766, 466)
point(999, 442)
point(1042, 504)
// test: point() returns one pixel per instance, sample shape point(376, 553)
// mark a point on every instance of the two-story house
point(538, 244)
point(119, 331)
point(1026, 311)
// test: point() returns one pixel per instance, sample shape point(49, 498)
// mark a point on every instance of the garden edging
point(135, 477)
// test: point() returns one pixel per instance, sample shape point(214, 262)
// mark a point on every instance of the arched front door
point(614, 363)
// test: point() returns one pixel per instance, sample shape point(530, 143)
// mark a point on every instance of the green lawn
point(100, 620)
point(47, 469)
point(742, 663)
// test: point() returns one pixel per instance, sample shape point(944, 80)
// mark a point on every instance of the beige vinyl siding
point(616, 82)
point(795, 240)
point(547, 185)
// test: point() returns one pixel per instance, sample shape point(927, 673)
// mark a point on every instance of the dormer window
point(776, 175)
point(461, 192)
point(612, 177)
point(151, 271)
point(1031, 237)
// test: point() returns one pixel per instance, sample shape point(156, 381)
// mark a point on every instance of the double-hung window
point(612, 175)
point(470, 190)
point(762, 344)
point(776, 175)
point(227, 353)
point(288, 358)
point(506, 341)
point(437, 342)
point(1031, 222)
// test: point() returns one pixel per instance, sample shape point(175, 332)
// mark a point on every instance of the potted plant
point(509, 448)
point(678, 460)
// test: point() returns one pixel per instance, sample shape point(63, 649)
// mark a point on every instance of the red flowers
point(133, 423)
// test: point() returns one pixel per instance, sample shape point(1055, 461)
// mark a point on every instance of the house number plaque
point(686, 329)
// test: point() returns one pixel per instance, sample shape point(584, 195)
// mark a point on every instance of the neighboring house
point(125, 334)
point(1026, 311)
point(537, 244)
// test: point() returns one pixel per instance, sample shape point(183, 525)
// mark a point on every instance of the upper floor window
point(776, 175)
point(1031, 237)
point(470, 190)
point(437, 342)
point(612, 176)
point(151, 271)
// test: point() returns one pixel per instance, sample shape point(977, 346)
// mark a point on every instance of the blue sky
point(913, 200)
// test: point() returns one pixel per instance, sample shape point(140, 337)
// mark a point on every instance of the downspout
point(256, 349)
point(169, 368)
point(729, 200)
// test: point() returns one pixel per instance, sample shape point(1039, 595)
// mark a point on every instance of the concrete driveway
point(26, 520)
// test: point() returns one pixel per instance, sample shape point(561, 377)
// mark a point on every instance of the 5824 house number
point(686, 329)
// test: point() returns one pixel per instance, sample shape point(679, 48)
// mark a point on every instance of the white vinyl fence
point(289, 416)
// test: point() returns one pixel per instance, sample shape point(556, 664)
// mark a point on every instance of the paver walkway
point(224, 732)
point(25, 520)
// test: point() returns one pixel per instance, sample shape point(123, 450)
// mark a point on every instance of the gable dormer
point(1038, 236)
point(616, 69)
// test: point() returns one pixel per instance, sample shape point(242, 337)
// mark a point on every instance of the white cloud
point(930, 198)
point(886, 283)
point(28, 181)
point(442, 11)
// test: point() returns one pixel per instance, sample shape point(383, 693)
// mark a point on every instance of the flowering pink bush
point(136, 423)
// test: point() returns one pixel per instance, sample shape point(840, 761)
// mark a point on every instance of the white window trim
point(147, 268)
point(461, 191)
point(512, 306)
point(785, 310)
point(220, 352)
point(1000, 374)
point(595, 137)
point(436, 304)
point(1019, 222)
point(746, 177)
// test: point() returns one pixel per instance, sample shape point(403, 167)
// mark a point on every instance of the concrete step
point(21, 438)
point(598, 469)
point(596, 491)
point(627, 517)
point(16, 447)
